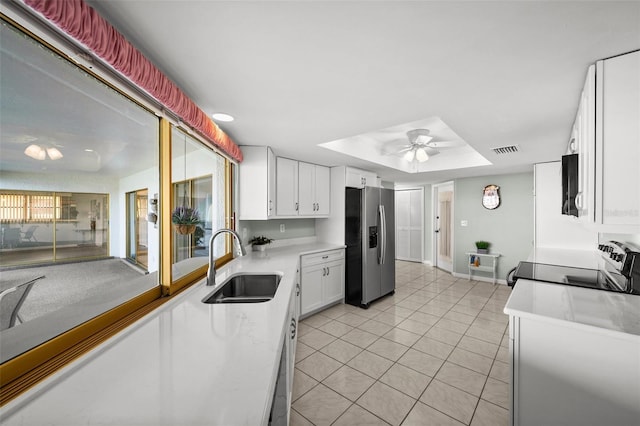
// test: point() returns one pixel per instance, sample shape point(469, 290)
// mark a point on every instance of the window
point(79, 187)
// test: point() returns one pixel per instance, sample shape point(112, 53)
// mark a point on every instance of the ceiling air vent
point(506, 149)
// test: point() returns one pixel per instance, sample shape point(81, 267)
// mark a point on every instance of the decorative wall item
point(491, 197)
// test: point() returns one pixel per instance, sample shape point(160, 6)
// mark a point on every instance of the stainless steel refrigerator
point(370, 240)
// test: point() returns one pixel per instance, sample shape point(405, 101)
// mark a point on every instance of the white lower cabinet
point(564, 374)
point(321, 280)
point(282, 398)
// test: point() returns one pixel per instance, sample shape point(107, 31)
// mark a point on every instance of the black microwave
point(569, 184)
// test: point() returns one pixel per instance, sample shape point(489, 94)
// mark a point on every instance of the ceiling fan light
point(35, 152)
point(409, 155)
point(421, 155)
point(54, 153)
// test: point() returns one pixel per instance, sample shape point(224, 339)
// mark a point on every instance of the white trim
point(478, 278)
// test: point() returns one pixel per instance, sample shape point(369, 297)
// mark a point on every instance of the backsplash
point(632, 239)
point(293, 228)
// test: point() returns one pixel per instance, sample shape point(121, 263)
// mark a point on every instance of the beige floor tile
point(443, 335)
point(317, 339)
point(341, 351)
point(316, 320)
point(433, 347)
point(370, 364)
point(389, 318)
point(359, 338)
point(401, 336)
point(496, 392)
point(358, 416)
point(424, 318)
point(349, 382)
point(492, 316)
point(468, 310)
point(387, 349)
point(410, 303)
point(503, 354)
point(297, 419)
point(459, 317)
point(421, 362)
point(375, 327)
point(399, 311)
point(456, 327)
point(302, 383)
point(479, 332)
point(406, 380)
point(321, 405)
point(335, 311)
point(450, 400)
point(303, 351)
point(488, 414)
point(496, 327)
point(351, 319)
point(319, 366)
point(335, 328)
point(462, 378)
point(435, 310)
point(304, 329)
point(386, 403)
point(501, 371)
point(478, 346)
point(414, 326)
point(422, 415)
point(471, 360)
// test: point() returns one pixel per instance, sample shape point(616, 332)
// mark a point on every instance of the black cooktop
point(580, 277)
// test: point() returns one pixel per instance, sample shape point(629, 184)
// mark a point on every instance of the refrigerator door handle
point(383, 232)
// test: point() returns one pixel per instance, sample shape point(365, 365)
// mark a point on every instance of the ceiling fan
point(420, 146)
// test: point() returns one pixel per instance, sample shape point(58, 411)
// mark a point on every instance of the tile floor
point(434, 353)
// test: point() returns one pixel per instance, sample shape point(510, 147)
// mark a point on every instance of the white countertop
point(575, 306)
point(186, 363)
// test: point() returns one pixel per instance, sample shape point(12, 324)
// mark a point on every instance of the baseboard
point(427, 262)
point(478, 278)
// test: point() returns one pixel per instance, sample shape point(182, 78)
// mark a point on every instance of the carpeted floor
point(66, 284)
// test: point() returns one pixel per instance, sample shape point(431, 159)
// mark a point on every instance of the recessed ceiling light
point(220, 116)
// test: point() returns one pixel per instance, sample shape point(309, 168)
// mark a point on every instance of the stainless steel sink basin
point(246, 288)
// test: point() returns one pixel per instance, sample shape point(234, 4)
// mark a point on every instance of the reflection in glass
point(198, 183)
point(71, 148)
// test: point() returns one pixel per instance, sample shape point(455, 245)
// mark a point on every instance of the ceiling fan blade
point(444, 144)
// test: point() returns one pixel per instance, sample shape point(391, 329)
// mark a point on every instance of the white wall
point(552, 228)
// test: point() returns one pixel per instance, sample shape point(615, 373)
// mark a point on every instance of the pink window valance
point(84, 24)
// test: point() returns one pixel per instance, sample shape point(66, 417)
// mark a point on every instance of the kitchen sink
point(246, 288)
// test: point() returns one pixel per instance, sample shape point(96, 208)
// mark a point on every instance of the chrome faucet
point(211, 272)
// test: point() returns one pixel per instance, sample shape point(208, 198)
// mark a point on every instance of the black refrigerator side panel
point(353, 241)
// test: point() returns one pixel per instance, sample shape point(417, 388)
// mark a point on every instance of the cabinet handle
point(328, 271)
point(325, 257)
point(296, 206)
point(572, 145)
point(270, 205)
point(297, 289)
point(578, 200)
point(293, 328)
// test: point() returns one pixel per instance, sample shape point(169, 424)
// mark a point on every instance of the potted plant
point(185, 219)
point(482, 247)
point(259, 243)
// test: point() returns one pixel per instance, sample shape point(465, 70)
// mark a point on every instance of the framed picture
point(491, 197)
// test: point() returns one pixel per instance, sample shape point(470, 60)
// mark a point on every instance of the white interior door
point(409, 224)
point(443, 226)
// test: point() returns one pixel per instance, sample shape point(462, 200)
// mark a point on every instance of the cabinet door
point(333, 282)
point(311, 291)
point(619, 174)
point(271, 183)
point(323, 190)
point(353, 178)
point(306, 189)
point(286, 187)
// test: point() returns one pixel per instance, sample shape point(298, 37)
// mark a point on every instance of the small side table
point(493, 268)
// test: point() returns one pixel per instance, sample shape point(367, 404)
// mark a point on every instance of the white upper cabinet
point(583, 143)
point(313, 189)
point(286, 187)
point(356, 178)
point(257, 183)
point(618, 142)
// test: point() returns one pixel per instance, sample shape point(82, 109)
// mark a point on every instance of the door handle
point(296, 206)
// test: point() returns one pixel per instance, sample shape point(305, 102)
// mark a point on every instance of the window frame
point(24, 371)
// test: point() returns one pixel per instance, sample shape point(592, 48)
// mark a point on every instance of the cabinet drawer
point(322, 257)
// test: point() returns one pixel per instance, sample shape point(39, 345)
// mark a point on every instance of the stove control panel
point(624, 258)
